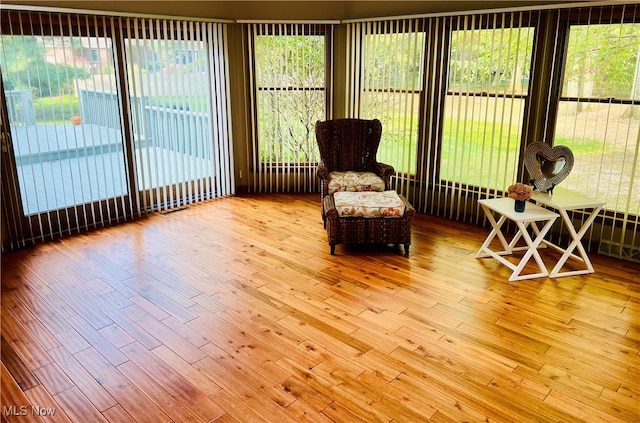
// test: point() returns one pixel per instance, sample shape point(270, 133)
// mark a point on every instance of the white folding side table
point(564, 201)
point(532, 213)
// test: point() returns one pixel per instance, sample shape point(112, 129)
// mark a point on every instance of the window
point(94, 56)
point(290, 77)
point(290, 91)
point(485, 102)
point(392, 89)
point(599, 112)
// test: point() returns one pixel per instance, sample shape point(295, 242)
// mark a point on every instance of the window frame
point(609, 15)
point(398, 27)
point(507, 22)
point(295, 30)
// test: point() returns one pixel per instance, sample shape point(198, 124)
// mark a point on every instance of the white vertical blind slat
point(139, 118)
point(279, 176)
point(276, 146)
point(87, 133)
point(129, 206)
point(226, 164)
point(57, 195)
point(183, 194)
point(356, 102)
point(253, 107)
point(455, 130)
point(37, 138)
point(155, 39)
point(292, 168)
point(214, 97)
point(389, 87)
point(105, 160)
point(464, 104)
point(38, 200)
point(226, 135)
point(167, 92)
point(352, 70)
point(262, 178)
point(348, 92)
point(330, 81)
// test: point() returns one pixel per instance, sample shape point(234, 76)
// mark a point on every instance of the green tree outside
point(602, 61)
point(25, 68)
point(290, 79)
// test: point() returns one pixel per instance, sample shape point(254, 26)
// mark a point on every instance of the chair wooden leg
point(333, 249)
point(406, 250)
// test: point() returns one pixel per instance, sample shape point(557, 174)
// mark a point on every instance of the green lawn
point(187, 103)
point(477, 153)
point(56, 110)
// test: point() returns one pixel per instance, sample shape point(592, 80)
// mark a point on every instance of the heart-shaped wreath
point(547, 166)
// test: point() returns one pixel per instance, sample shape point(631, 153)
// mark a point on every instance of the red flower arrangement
point(519, 191)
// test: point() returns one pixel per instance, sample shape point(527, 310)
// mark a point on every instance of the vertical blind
point(458, 131)
point(67, 171)
point(390, 86)
point(458, 95)
point(177, 84)
point(489, 59)
point(109, 118)
point(289, 92)
point(599, 119)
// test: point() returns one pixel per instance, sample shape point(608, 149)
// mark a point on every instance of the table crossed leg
point(576, 243)
point(509, 247)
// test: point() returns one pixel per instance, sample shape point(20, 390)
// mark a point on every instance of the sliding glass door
point(65, 156)
point(107, 118)
point(67, 153)
point(179, 108)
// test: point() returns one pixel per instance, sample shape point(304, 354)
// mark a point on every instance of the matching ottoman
point(368, 218)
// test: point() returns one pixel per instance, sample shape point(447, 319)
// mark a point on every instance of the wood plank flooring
point(234, 311)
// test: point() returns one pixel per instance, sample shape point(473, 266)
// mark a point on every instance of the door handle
point(5, 138)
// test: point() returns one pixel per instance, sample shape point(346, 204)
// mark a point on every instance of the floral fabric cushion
point(368, 204)
point(354, 182)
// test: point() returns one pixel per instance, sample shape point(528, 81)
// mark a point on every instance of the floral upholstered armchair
point(348, 149)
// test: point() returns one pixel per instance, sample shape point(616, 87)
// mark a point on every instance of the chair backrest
point(349, 144)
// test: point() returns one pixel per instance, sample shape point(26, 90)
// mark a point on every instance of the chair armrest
point(385, 170)
point(409, 211)
point(330, 207)
point(322, 172)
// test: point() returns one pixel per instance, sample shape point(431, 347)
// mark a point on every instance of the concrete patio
point(65, 165)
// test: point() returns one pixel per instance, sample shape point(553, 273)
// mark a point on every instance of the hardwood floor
point(234, 311)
